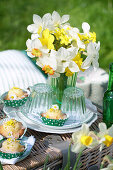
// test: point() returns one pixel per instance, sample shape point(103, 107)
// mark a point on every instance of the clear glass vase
point(59, 84)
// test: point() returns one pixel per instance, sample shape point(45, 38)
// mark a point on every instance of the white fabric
point(17, 70)
point(93, 83)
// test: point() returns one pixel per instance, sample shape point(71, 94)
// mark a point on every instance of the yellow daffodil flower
point(83, 139)
point(61, 35)
point(87, 38)
point(92, 36)
point(105, 135)
point(47, 39)
point(79, 60)
point(86, 140)
point(68, 73)
point(108, 140)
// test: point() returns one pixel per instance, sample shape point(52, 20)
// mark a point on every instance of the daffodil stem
point(77, 161)
point(1, 168)
point(68, 161)
point(101, 166)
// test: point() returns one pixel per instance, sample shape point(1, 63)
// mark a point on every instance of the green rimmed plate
point(11, 155)
point(53, 122)
point(14, 103)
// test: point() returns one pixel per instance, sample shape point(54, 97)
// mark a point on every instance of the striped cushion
point(16, 69)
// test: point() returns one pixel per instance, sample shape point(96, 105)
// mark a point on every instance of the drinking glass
point(40, 99)
point(73, 103)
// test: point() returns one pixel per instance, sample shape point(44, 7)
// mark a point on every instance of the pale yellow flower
point(47, 39)
point(105, 135)
point(83, 139)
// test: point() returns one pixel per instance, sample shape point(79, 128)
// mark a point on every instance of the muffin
point(12, 128)
point(16, 94)
point(12, 146)
point(54, 117)
point(54, 113)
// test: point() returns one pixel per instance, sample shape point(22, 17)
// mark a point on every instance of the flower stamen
point(86, 140)
point(48, 69)
point(36, 52)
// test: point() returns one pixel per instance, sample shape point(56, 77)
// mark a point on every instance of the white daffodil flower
point(109, 167)
point(35, 48)
point(82, 139)
point(73, 32)
point(92, 56)
point(105, 136)
point(40, 23)
point(48, 60)
point(57, 20)
point(64, 59)
point(85, 27)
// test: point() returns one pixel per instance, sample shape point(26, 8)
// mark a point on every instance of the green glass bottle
point(108, 100)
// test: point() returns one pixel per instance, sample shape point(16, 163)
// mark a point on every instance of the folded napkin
point(29, 141)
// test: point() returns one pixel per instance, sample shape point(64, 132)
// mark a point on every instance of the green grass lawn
point(15, 16)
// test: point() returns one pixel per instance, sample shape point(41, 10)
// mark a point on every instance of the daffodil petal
point(34, 36)
point(37, 19)
point(102, 127)
point(55, 16)
point(85, 27)
point(77, 147)
point(110, 131)
point(32, 28)
point(64, 18)
point(28, 43)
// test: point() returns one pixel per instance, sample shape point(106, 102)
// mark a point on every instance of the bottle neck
point(110, 83)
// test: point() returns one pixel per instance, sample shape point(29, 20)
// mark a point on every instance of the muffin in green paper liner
point(11, 148)
point(12, 128)
point(54, 117)
point(15, 97)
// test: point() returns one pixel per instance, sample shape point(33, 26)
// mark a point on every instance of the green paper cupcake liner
point(53, 122)
point(12, 155)
point(14, 103)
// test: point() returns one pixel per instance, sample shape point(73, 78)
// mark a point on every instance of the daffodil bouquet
point(59, 48)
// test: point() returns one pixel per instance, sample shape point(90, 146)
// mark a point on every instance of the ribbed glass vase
point(59, 84)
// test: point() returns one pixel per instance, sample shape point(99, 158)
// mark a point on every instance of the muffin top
point(54, 113)
point(12, 146)
point(12, 125)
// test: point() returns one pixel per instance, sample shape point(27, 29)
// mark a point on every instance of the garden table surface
point(40, 151)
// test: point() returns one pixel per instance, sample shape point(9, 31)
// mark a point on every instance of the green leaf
point(77, 161)
point(45, 164)
point(68, 161)
point(1, 168)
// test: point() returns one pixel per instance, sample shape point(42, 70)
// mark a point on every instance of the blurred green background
point(15, 16)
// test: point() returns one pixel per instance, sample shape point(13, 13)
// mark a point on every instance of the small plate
point(38, 125)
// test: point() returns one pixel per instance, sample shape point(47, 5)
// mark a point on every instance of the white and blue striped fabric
point(16, 69)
